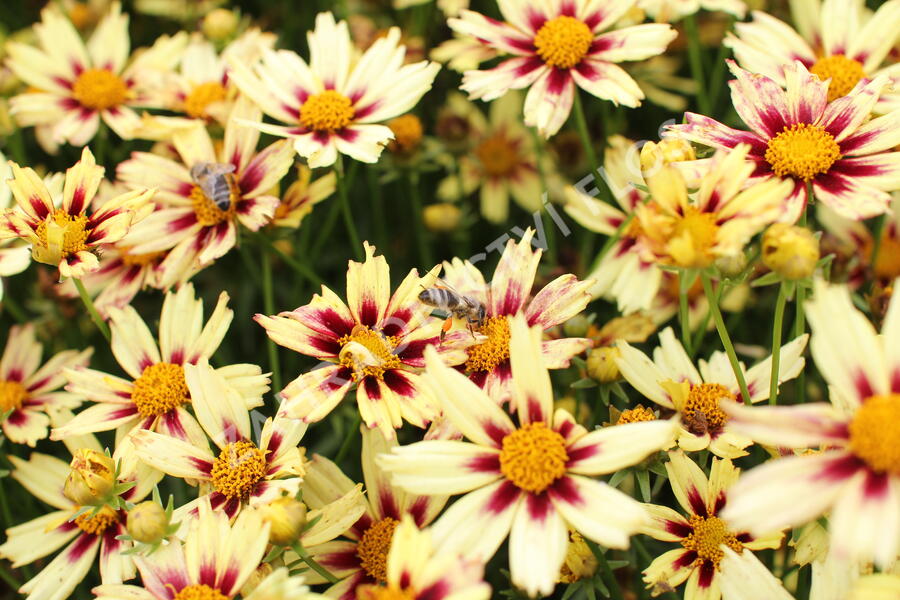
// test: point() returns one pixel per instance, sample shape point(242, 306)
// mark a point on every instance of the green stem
point(723, 335)
point(348, 439)
point(303, 270)
point(16, 147)
point(4, 507)
point(584, 134)
point(345, 209)
point(612, 584)
point(378, 205)
point(13, 308)
point(776, 341)
point(683, 312)
point(269, 307)
point(696, 59)
point(800, 320)
point(412, 180)
point(303, 554)
point(11, 581)
point(92, 310)
point(876, 241)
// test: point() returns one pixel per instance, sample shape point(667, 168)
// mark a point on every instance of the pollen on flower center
point(692, 239)
point(239, 466)
point(99, 89)
point(802, 150)
point(533, 457)
point(709, 533)
point(497, 155)
point(701, 413)
point(160, 388)
point(486, 356)
point(12, 395)
point(98, 523)
point(202, 96)
point(844, 73)
point(373, 548)
point(382, 592)
point(368, 353)
point(874, 435)
point(327, 111)
point(141, 260)
point(636, 415)
point(562, 42)
point(199, 591)
point(63, 230)
point(208, 214)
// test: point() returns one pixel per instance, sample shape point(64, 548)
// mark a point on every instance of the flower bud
point(91, 479)
point(601, 364)
point(147, 522)
point(219, 24)
point(407, 131)
point(676, 150)
point(286, 517)
point(731, 265)
point(577, 326)
point(442, 217)
point(790, 251)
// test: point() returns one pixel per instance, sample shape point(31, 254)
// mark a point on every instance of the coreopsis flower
point(155, 395)
point(702, 534)
point(487, 362)
point(14, 258)
point(417, 570)
point(374, 341)
point(193, 227)
point(28, 389)
point(855, 476)
point(700, 396)
point(79, 84)
point(213, 562)
point(531, 481)
point(335, 103)
point(502, 161)
point(669, 11)
point(83, 533)
point(557, 46)
point(361, 558)
point(799, 137)
point(301, 196)
point(67, 237)
point(840, 41)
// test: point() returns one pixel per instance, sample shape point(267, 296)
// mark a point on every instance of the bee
point(445, 298)
point(211, 177)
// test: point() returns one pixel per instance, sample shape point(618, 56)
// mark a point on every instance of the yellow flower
point(91, 478)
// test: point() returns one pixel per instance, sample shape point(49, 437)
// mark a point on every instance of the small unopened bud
point(601, 364)
point(442, 217)
point(790, 251)
point(286, 517)
point(91, 478)
point(732, 264)
point(676, 150)
point(577, 326)
point(219, 24)
point(454, 129)
point(407, 131)
point(147, 522)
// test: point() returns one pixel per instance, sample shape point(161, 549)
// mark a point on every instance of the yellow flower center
point(533, 457)
point(199, 591)
point(701, 413)
point(874, 435)
point(562, 42)
point(208, 214)
point(407, 130)
point(497, 155)
point(202, 96)
point(238, 468)
point(486, 356)
point(708, 535)
point(373, 548)
point(802, 150)
point(381, 592)
point(141, 260)
point(368, 353)
point(74, 235)
point(844, 73)
point(887, 265)
point(635, 415)
point(98, 523)
point(99, 89)
point(160, 389)
point(328, 111)
point(580, 561)
point(12, 395)
point(693, 239)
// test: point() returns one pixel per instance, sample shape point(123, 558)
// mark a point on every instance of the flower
point(530, 481)
point(212, 563)
point(27, 389)
point(488, 361)
point(301, 196)
point(502, 161)
point(195, 228)
point(798, 136)
point(835, 39)
point(156, 395)
point(703, 535)
point(701, 397)
point(92, 477)
point(68, 237)
point(669, 11)
point(790, 251)
point(374, 341)
point(333, 103)
point(417, 570)
point(78, 83)
point(557, 46)
point(361, 559)
point(855, 474)
point(14, 258)
point(147, 522)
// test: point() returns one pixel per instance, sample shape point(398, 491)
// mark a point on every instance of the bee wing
point(219, 168)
